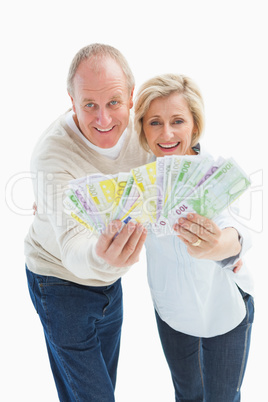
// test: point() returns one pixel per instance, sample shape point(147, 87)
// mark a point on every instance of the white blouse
point(195, 296)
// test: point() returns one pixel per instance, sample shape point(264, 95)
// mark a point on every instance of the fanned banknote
point(213, 194)
point(158, 193)
point(145, 178)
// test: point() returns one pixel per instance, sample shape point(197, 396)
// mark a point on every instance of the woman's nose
point(167, 133)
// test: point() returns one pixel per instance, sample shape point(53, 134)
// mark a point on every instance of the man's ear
point(131, 99)
point(73, 104)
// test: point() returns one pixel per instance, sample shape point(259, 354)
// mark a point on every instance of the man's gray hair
point(99, 50)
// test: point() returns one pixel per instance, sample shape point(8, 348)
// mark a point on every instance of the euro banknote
point(158, 193)
point(214, 193)
point(145, 179)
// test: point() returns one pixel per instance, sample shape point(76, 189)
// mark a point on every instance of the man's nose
point(103, 117)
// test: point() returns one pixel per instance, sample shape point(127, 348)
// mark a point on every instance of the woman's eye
point(154, 123)
point(179, 121)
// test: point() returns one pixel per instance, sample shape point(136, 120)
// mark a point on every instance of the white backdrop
point(222, 45)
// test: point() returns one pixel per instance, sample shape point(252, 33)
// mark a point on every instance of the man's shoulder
point(135, 149)
point(58, 129)
point(53, 143)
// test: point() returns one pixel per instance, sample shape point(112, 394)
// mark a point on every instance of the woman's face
point(168, 126)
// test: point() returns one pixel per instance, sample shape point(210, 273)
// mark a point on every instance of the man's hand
point(122, 249)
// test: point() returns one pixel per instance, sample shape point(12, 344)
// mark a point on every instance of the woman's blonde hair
point(99, 50)
point(162, 86)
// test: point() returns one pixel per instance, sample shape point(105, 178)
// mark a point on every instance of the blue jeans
point(208, 369)
point(82, 327)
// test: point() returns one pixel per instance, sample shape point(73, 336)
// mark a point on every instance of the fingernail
point(115, 226)
point(139, 227)
point(131, 225)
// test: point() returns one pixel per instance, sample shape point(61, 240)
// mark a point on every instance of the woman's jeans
point(82, 327)
point(208, 369)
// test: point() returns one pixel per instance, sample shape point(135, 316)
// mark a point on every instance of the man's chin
point(107, 143)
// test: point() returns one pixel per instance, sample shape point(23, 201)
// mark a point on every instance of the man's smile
point(107, 130)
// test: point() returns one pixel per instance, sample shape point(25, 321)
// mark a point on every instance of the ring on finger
point(197, 242)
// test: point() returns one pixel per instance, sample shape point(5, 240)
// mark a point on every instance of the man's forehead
point(109, 77)
point(100, 68)
point(94, 96)
point(93, 92)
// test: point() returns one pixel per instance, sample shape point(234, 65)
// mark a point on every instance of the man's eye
point(114, 102)
point(90, 105)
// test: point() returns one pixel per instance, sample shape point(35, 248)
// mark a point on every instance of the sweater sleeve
point(79, 257)
point(76, 244)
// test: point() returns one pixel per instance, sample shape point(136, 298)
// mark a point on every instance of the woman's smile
point(169, 147)
point(168, 125)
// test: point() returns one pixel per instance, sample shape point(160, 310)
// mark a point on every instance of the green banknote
point(216, 193)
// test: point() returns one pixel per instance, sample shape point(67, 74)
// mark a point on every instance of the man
point(73, 276)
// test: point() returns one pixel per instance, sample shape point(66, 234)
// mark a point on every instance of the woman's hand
point(204, 239)
point(34, 208)
point(238, 266)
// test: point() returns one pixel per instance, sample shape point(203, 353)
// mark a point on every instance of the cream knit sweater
point(56, 245)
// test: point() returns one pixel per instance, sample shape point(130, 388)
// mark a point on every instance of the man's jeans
point(208, 369)
point(82, 327)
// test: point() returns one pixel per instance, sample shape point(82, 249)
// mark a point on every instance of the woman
point(204, 311)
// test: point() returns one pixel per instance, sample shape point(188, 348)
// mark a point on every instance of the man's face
point(101, 101)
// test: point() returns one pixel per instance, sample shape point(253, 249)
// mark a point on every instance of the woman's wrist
point(229, 246)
